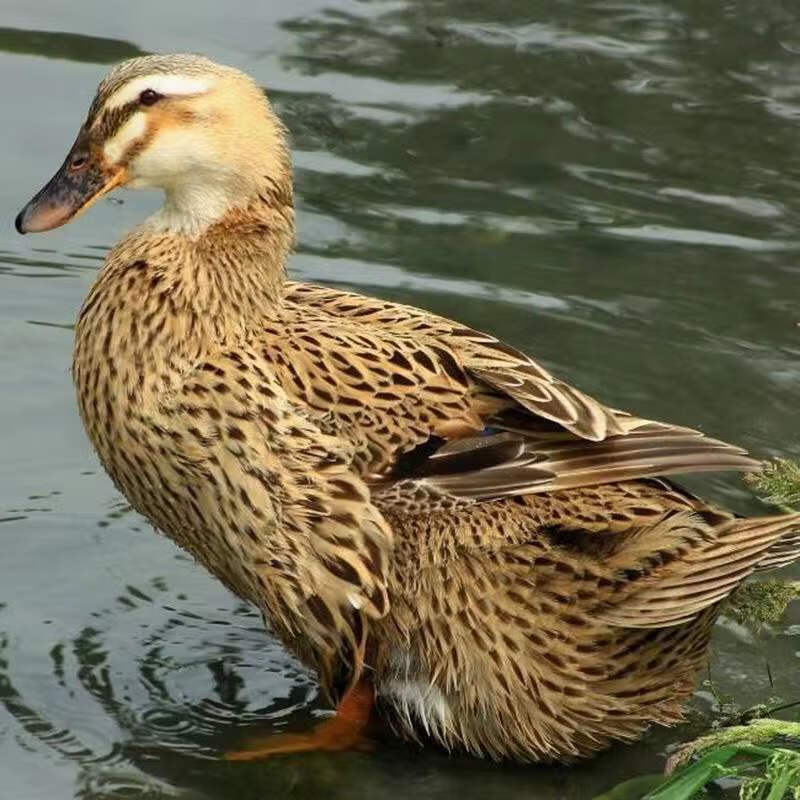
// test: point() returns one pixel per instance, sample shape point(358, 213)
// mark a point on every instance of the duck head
point(202, 132)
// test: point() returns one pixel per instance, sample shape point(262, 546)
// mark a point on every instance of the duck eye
point(149, 96)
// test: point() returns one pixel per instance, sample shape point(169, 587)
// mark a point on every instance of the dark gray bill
point(77, 183)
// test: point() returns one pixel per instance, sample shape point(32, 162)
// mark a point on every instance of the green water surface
point(611, 185)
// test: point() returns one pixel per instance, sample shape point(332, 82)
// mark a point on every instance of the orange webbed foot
point(345, 730)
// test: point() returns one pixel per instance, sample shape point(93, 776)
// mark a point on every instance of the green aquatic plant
point(777, 483)
point(765, 771)
point(782, 779)
point(756, 732)
point(761, 603)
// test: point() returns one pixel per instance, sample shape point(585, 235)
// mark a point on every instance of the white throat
point(191, 209)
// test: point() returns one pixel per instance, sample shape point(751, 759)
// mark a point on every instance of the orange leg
point(346, 730)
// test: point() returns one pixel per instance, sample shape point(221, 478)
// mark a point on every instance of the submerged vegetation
point(763, 755)
point(761, 603)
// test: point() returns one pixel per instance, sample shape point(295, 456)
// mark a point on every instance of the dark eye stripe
point(113, 119)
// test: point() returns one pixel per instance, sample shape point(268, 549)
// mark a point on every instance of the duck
point(459, 544)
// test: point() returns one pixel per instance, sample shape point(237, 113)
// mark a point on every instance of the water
point(612, 186)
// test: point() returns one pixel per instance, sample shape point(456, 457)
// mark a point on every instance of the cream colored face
point(164, 135)
point(152, 130)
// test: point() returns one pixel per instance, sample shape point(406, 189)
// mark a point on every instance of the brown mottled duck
point(438, 526)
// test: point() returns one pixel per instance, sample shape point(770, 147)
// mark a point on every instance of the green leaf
point(689, 780)
point(633, 789)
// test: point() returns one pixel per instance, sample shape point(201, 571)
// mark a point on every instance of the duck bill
point(79, 182)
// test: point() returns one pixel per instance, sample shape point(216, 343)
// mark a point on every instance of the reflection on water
point(611, 186)
point(71, 46)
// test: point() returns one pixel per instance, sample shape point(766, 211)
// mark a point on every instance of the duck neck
point(234, 263)
point(240, 260)
point(166, 298)
point(190, 209)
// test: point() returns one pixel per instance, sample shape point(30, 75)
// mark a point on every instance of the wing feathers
point(482, 468)
point(482, 356)
point(552, 399)
point(709, 573)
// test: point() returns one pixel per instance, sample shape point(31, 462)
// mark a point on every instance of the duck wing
point(501, 368)
point(670, 572)
point(440, 413)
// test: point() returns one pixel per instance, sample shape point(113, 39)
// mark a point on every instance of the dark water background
point(610, 185)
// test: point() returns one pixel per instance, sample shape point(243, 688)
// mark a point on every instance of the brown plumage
point(406, 499)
